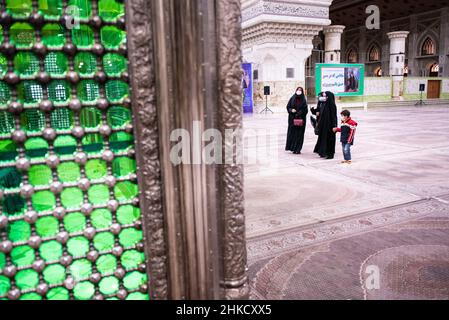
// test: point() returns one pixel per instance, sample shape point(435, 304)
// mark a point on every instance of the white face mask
point(298, 93)
point(323, 99)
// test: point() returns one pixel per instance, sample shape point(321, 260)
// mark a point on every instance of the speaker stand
point(421, 101)
point(266, 107)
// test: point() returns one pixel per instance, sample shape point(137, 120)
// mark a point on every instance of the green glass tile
point(85, 8)
point(128, 214)
point(54, 274)
point(85, 64)
point(74, 222)
point(83, 37)
point(78, 246)
point(98, 194)
point(72, 198)
point(23, 256)
point(92, 143)
point(30, 92)
point(114, 64)
point(62, 119)
point(134, 280)
point(81, 269)
point(109, 285)
point(101, 218)
point(88, 91)
point(130, 237)
point(106, 264)
point(19, 8)
point(65, 145)
point(137, 296)
point(96, 169)
point(22, 34)
point(104, 241)
point(112, 37)
point(50, 9)
point(58, 294)
point(40, 175)
point(32, 120)
point(118, 117)
point(3, 65)
point(5, 285)
point(53, 35)
point(10, 178)
point(26, 64)
point(121, 141)
point(113, 299)
point(110, 10)
point(123, 166)
point(69, 172)
point(43, 201)
point(19, 231)
point(1, 34)
point(50, 251)
point(31, 297)
point(8, 150)
point(59, 91)
point(5, 94)
point(7, 124)
point(27, 279)
point(56, 64)
point(13, 205)
point(84, 291)
point(116, 90)
point(126, 191)
point(2, 261)
point(47, 226)
point(36, 148)
point(90, 118)
point(132, 259)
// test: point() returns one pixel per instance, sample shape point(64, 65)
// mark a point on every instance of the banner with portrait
point(247, 85)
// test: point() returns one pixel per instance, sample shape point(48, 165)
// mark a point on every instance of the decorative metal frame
point(185, 60)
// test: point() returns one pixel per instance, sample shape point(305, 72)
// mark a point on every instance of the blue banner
point(247, 84)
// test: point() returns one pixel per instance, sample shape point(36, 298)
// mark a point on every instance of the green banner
point(344, 80)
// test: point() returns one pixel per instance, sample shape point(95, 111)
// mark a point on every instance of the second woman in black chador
point(325, 146)
point(297, 109)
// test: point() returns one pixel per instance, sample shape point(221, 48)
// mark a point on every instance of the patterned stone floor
point(378, 229)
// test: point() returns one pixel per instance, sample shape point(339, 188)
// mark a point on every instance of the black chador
point(295, 134)
point(325, 146)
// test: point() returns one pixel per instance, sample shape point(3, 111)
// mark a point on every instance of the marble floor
point(313, 225)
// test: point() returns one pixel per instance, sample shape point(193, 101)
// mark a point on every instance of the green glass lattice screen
point(70, 224)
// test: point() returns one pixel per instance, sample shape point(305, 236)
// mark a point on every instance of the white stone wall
point(378, 86)
point(412, 85)
point(445, 85)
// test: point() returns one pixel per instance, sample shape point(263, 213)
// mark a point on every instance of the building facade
point(409, 47)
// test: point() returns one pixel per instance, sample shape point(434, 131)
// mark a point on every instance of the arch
point(406, 71)
point(426, 39)
point(374, 53)
point(428, 48)
point(352, 56)
point(434, 70)
point(378, 72)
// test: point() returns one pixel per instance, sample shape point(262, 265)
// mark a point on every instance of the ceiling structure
point(352, 13)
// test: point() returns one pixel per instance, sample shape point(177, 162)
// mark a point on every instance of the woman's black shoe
point(330, 158)
point(297, 152)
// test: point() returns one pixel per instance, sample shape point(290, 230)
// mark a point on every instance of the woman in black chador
point(325, 146)
point(297, 109)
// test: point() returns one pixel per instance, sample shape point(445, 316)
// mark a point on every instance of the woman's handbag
point(298, 122)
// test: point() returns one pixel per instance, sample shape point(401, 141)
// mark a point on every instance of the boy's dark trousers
point(347, 151)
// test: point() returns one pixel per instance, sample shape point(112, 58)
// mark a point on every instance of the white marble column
point(333, 43)
point(397, 61)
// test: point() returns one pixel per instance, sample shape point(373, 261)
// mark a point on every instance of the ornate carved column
point(186, 58)
point(397, 61)
point(332, 43)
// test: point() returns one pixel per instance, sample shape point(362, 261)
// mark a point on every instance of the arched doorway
point(434, 70)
